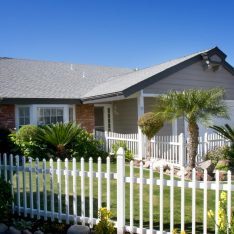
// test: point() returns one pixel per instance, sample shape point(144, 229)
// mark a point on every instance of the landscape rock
point(38, 232)
point(161, 162)
point(207, 165)
point(136, 163)
point(13, 230)
point(3, 228)
point(147, 164)
point(26, 231)
point(78, 229)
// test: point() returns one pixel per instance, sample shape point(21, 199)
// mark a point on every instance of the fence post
point(120, 191)
point(205, 144)
point(106, 141)
point(182, 149)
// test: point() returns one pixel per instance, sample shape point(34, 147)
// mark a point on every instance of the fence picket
point(82, 191)
point(24, 187)
point(99, 182)
point(11, 181)
point(66, 190)
point(59, 187)
point(151, 217)
point(44, 188)
point(38, 188)
point(52, 189)
point(194, 201)
point(161, 199)
point(205, 203)
point(108, 202)
point(182, 199)
point(31, 187)
point(17, 183)
point(131, 196)
point(172, 199)
point(216, 200)
point(90, 192)
point(229, 197)
point(141, 198)
point(74, 174)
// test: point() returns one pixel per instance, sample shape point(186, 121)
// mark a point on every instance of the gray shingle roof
point(120, 83)
point(21, 78)
point(30, 79)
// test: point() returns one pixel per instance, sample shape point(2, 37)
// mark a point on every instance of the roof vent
point(136, 69)
point(83, 75)
point(71, 67)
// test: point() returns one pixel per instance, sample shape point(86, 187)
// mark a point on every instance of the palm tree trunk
point(193, 130)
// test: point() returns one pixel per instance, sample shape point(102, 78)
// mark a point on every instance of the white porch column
point(140, 112)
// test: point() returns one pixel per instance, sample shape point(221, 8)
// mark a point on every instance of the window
point(23, 115)
point(49, 115)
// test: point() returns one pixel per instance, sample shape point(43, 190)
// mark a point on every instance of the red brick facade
point(7, 116)
point(85, 116)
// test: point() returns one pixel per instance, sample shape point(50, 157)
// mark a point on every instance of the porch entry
point(103, 117)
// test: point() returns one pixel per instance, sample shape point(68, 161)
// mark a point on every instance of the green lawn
point(188, 202)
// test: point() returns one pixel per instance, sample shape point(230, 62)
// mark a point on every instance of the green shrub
point(128, 153)
point(104, 225)
point(85, 145)
point(25, 142)
point(220, 153)
point(5, 199)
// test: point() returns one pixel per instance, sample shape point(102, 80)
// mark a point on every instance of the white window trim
point(33, 112)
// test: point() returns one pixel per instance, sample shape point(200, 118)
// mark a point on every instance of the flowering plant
point(175, 232)
point(223, 225)
point(104, 225)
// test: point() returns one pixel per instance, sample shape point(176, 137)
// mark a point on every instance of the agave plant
point(226, 131)
point(58, 136)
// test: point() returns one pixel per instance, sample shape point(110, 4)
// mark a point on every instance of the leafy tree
point(150, 125)
point(195, 105)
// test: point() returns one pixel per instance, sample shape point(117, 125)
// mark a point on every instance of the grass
point(156, 198)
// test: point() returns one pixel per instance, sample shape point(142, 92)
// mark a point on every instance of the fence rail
point(57, 197)
point(170, 148)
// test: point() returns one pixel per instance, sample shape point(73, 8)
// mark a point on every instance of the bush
point(57, 141)
point(221, 153)
point(128, 153)
point(5, 199)
point(26, 144)
point(85, 145)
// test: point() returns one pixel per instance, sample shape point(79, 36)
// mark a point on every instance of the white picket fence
point(55, 201)
point(171, 148)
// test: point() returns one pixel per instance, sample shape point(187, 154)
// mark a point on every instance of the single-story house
point(103, 98)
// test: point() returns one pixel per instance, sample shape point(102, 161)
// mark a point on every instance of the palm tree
point(58, 136)
point(195, 105)
point(226, 131)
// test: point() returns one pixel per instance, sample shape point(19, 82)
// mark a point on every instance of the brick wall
point(85, 116)
point(7, 116)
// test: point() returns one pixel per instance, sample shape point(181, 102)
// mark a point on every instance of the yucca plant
point(226, 131)
point(58, 136)
point(195, 105)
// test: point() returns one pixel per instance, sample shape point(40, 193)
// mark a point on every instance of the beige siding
point(195, 76)
point(125, 116)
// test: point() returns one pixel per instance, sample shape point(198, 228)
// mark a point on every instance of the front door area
point(103, 117)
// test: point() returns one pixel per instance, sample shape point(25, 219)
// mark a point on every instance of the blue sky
point(125, 33)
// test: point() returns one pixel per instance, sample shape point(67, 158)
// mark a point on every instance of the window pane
point(47, 112)
point(23, 115)
point(53, 112)
point(60, 112)
point(60, 119)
